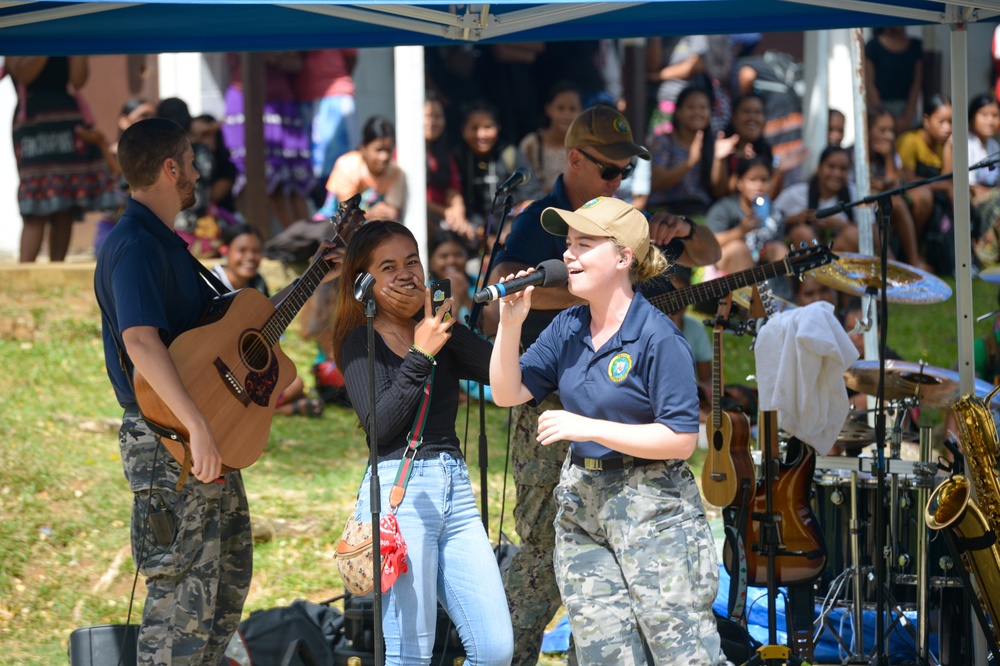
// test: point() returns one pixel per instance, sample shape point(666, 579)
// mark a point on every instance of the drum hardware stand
point(771, 654)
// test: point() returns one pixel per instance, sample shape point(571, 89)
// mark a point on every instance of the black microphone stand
point(364, 292)
point(475, 326)
point(883, 202)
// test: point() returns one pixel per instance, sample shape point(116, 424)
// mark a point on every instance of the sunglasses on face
point(611, 172)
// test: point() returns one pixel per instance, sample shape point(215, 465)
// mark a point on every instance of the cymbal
point(937, 388)
point(855, 435)
point(856, 273)
point(991, 274)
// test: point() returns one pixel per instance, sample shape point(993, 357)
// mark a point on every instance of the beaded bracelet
point(424, 352)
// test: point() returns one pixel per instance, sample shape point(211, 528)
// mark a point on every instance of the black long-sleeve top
point(399, 385)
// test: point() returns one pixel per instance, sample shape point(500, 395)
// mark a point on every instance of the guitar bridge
point(231, 382)
point(718, 476)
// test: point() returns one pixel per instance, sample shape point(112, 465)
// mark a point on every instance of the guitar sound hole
point(254, 351)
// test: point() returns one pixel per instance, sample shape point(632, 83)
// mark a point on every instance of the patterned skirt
point(59, 171)
point(287, 164)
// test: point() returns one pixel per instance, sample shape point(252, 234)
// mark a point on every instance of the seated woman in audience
point(484, 163)
point(922, 152)
point(984, 119)
point(886, 173)
point(747, 125)
point(798, 203)
point(688, 165)
point(445, 207)
point(243, 250)
point(545, 148)
point(746, 239)
point(370, 171)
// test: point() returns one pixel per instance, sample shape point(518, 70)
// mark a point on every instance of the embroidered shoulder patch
point(619, 367)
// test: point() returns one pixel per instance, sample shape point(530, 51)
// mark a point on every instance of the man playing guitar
point(191, 541)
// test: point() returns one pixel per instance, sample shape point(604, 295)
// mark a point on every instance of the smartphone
point(440, 292)
point(762, 207)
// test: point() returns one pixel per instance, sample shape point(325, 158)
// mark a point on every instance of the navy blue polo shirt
point(145, 277)
point(643, 374)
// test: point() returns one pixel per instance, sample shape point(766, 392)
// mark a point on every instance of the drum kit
point(918, 565)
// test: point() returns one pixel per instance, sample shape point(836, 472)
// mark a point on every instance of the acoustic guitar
point(728, 469)
point(232, 366)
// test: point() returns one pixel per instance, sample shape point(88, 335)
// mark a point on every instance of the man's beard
point(185, 190)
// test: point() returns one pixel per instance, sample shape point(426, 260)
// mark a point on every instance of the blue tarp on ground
point(899, 645)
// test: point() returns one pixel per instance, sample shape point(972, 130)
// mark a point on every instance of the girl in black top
point(448, 553)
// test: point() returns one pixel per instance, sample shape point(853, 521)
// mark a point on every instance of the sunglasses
point(611, 172)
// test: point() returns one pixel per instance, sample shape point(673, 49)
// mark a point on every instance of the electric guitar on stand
point(232, 366)
point(728, 474)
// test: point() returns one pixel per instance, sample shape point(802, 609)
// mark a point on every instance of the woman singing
point(634, 556)
point(449, 554)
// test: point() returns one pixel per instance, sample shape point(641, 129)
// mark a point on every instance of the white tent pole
point(963, 243)
point(410, 144)
point(815, 65)
point(863, 215)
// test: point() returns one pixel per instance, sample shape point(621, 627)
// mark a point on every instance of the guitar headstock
point(807, 258)
point(347, 220)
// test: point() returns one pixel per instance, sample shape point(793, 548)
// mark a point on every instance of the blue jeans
point(449, 558)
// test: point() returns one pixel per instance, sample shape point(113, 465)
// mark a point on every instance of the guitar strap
point(213, 281)
point(735, 519)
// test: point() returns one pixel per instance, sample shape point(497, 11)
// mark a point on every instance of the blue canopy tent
point(97, 26)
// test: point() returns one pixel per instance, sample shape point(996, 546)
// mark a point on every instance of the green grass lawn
point(64, 504)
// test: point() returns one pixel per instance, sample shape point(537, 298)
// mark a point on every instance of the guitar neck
point(293, 302)
point(717, 378)
point(715, 289)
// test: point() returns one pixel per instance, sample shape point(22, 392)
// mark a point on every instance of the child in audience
point(835, 123)
point(370, 171)
point(886, 173)
point(544, 148)
point(445, 207)
point(687, 165)
point(745, 237)
point(922, 153)
point(798, 203)
point(984, 119)
point(485, 162)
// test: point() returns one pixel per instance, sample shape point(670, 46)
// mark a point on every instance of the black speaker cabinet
point(102, 645)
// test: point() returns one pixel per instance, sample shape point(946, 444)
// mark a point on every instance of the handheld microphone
point(519, 177)
point(551, 273)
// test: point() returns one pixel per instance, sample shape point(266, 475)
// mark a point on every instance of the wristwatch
point(691, 224)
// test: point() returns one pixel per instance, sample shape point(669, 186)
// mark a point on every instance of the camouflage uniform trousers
point(197, 562)
point(532, 593)
point(637, 566)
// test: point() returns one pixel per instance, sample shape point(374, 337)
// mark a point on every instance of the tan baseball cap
point(603, 217)
point(604, 128)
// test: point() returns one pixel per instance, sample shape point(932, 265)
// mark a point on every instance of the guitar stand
point(771, 654)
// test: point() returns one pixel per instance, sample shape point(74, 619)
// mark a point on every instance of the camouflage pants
point(637, 566)
point(532, 593)
point(195, 549)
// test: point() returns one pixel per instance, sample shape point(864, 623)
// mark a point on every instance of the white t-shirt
point(795, 198)
point(977, 153)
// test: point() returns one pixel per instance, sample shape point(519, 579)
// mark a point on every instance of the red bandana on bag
point(393, 550)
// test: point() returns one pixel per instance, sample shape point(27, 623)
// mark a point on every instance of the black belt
point(608, 464)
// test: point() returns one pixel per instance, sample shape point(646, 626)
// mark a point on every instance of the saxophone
point(974, 522)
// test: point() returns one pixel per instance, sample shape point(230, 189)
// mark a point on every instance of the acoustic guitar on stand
point(728, 475)
point(232, 366)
